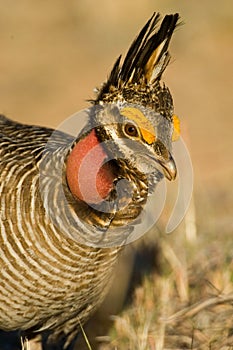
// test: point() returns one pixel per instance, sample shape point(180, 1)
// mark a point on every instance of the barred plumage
point(49, 280)
point(43, 274)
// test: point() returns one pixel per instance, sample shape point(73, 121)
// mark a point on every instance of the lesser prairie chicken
point(50, 280)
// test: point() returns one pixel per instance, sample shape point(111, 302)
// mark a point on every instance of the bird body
point(46, 278)
point(60, 230)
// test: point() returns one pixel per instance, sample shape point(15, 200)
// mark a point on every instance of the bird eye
point(131, 130)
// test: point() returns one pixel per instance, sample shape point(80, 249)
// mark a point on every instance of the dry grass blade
point(85, 336)
point(32, 344)
point(179, 269)
point(192, 310)
point(24, 344)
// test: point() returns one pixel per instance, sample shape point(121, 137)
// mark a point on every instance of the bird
point(69, 203)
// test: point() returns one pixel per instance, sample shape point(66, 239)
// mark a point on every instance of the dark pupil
point(131, 130)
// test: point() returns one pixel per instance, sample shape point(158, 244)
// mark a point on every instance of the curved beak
point(168, 167)
point(164, 158)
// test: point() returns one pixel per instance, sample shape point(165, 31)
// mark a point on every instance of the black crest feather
point(146, 58)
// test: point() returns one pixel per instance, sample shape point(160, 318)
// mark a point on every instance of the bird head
point(130, 130)
point(139, 136)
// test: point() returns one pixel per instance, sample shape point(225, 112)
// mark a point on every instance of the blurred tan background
point(53, 53)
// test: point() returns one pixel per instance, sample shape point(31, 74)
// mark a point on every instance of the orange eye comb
point(176, 128)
